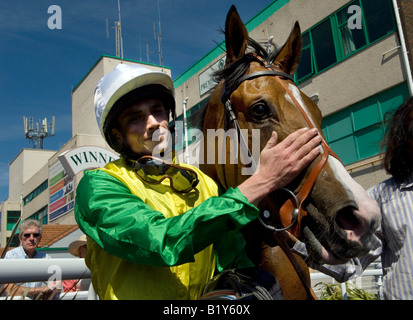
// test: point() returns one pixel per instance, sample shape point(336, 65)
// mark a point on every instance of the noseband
point(293, 211)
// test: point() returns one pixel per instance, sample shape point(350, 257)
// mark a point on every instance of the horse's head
point(336, 217)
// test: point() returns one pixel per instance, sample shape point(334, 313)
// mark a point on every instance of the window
point(352, 38)
point(378, 18)
point(15, 242)
point(355, 133)
point(352, 28)
point(323, 44)
point(12, 218)
point(35, 192)
point(306, 67)
point(40, 215)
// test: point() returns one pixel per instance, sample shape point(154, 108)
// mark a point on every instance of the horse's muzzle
point(346, 237)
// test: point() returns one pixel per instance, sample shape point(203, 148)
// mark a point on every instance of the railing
point(370, 280)
point(33, 270)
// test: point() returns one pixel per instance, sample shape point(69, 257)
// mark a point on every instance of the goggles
point(153, 171)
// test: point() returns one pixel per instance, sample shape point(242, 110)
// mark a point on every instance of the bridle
point(292, 211)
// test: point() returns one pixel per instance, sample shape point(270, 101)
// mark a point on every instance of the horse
point(323, 207)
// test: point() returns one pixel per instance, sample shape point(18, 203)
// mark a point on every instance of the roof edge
point(113, 57)
point(251, 24)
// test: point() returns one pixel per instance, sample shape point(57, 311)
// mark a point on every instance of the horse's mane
point(231, 73)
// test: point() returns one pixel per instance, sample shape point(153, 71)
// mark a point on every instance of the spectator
point(77, 248)
point(30, 235)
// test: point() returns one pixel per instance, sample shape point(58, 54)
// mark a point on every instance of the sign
point(83, 158)
point(61, 174)
point(61, 192)
point(206, 80)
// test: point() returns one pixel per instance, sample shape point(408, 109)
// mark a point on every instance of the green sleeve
point(123, 225)
point(230, 251)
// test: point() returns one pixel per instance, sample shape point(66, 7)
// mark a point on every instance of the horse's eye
point(260, 111)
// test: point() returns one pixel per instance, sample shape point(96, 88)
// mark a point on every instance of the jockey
point(157, 229)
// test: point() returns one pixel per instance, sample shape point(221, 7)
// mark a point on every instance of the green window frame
point(41, 215)
point(356, 132)
point(332, 40)
point(306, 67)
point(12, 217)
point(351, 39)
point(15, 242)
point(324, 48)
point(32, 195)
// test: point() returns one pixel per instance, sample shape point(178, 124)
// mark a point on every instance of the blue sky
point(39, 66)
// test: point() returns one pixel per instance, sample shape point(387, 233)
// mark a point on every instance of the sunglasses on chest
point(153, 171)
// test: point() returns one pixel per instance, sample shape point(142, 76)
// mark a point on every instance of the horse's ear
point(289, 56)
point(236, 36)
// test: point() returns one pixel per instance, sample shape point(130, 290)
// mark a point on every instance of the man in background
point(30, 235)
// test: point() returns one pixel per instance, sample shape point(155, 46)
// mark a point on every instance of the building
point(355, 64)
point(42, 182)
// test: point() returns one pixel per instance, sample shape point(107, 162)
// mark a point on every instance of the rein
point(292, 211)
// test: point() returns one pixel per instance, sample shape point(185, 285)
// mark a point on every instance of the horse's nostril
point(347, 220)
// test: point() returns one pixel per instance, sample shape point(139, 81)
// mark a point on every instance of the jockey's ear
point(236, 36)
point(289, 56)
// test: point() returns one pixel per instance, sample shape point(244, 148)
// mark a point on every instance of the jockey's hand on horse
point(281, 162)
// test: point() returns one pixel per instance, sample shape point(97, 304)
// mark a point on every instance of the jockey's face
point(143, 126)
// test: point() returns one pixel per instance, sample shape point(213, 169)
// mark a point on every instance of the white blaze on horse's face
point(368, 212)
point(297, 95)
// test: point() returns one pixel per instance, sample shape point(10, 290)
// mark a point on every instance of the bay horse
point(323, 207)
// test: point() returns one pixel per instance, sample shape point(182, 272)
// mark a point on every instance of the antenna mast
point(160, 37)
point(157, 35)
point(36, 132)
point(118, 32)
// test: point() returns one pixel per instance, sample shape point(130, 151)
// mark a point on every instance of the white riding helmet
point(111, 93)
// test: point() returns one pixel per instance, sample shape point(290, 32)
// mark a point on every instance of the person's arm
point(279, 165)
point(281, 162)
point(15, 290)
point(123, 225)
